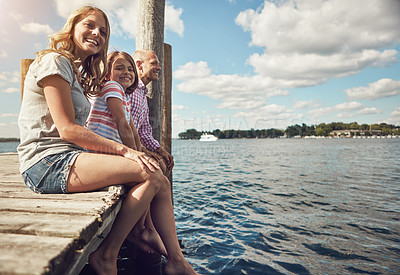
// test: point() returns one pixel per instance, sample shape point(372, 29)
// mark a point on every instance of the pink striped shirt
point(140, 115)
point(100, 118)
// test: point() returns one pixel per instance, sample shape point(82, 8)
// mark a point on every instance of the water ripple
point(289, 206)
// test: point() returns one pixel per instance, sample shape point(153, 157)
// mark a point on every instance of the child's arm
point(135, 135)
point(124, 128)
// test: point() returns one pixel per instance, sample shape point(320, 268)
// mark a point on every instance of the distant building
point(351, 133)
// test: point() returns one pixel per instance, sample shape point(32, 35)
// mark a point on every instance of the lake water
point(7, 147)
point(288, 206)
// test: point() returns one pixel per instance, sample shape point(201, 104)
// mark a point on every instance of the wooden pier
point(50, 234)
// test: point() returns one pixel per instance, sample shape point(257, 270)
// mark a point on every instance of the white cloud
point(122, 14)
point(319, 26)
point(10, 90)
point(304, 104)
point(192, 70)
point(382, 88)
point(9, 130)
point(197, 78)
point(36, 28)
point(394, 117)
point(241, 103)
point(344, 109)
point(311, 69)
point(317, 40)
point(8, 115)
point(179, 107)
point(353, 105)
point(369, 111)
point(10, 77)
point(269, 116)
point(3, 54)
point(173, 19)
point(345, 115)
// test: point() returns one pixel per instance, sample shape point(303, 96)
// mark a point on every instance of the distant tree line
point(9, 139)
point(296, 130)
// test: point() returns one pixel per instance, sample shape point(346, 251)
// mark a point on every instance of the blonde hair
point(110, 61)
point(94, 67)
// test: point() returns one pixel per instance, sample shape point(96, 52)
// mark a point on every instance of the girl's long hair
point(110, 60)
point(90, 72)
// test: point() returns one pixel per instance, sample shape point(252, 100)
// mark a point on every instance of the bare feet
point(141, 244)
point(179, 267)
point(103, 265)
point(149, 241)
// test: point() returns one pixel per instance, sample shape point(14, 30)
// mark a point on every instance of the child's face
point(122, 72)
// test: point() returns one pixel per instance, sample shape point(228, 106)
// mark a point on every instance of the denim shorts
point(50, 174)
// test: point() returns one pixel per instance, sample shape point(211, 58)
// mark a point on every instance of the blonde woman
point(54, 150)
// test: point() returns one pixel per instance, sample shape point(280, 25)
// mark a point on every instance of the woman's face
point(89, 35)
point(122, 72)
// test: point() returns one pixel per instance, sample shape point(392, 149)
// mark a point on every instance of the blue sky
point(241, 64)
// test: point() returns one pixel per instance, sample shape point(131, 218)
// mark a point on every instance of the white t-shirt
point(38, 133)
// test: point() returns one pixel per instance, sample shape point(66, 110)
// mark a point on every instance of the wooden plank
point(57, 206)
point(44, 224)
point(81, 256)
point(50, 233)
point(26, 254)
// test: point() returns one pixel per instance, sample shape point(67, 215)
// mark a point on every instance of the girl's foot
point(179, 267)
point(152, 238)
point(148, 240)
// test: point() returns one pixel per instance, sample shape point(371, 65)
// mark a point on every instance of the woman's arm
point(124, 128)
point(58, 96)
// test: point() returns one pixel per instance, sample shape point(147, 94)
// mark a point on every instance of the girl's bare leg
point(94, 171)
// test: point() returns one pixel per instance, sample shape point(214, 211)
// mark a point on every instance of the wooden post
point(150, 36)
point(166, 139)
point(24, 67)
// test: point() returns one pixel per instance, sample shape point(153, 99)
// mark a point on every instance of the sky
point(240, 64)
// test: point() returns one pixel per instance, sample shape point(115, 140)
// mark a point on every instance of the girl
point(54, 146)
point(110, 117)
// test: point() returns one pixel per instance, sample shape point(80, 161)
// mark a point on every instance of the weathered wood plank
point(50, 233)
point(51, 205)
point(27, 254)
point(43, 224)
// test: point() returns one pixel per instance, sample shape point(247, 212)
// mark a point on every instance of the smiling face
point(149, 68)
point(122, 71)
point(89, 35)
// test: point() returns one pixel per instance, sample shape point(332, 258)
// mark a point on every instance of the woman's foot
point(101, 264)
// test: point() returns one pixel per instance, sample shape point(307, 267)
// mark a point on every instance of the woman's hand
point(142, 159)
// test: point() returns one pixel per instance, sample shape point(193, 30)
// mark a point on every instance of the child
point(56, 151)
point(110, 117)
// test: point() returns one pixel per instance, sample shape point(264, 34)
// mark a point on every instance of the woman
point(54, 150)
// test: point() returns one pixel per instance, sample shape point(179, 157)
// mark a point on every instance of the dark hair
point(110, 61)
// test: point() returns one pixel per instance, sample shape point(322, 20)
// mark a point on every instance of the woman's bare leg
point(94, 171)
point(163, 217)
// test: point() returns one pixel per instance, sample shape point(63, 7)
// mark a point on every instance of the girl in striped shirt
point(110, 117)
